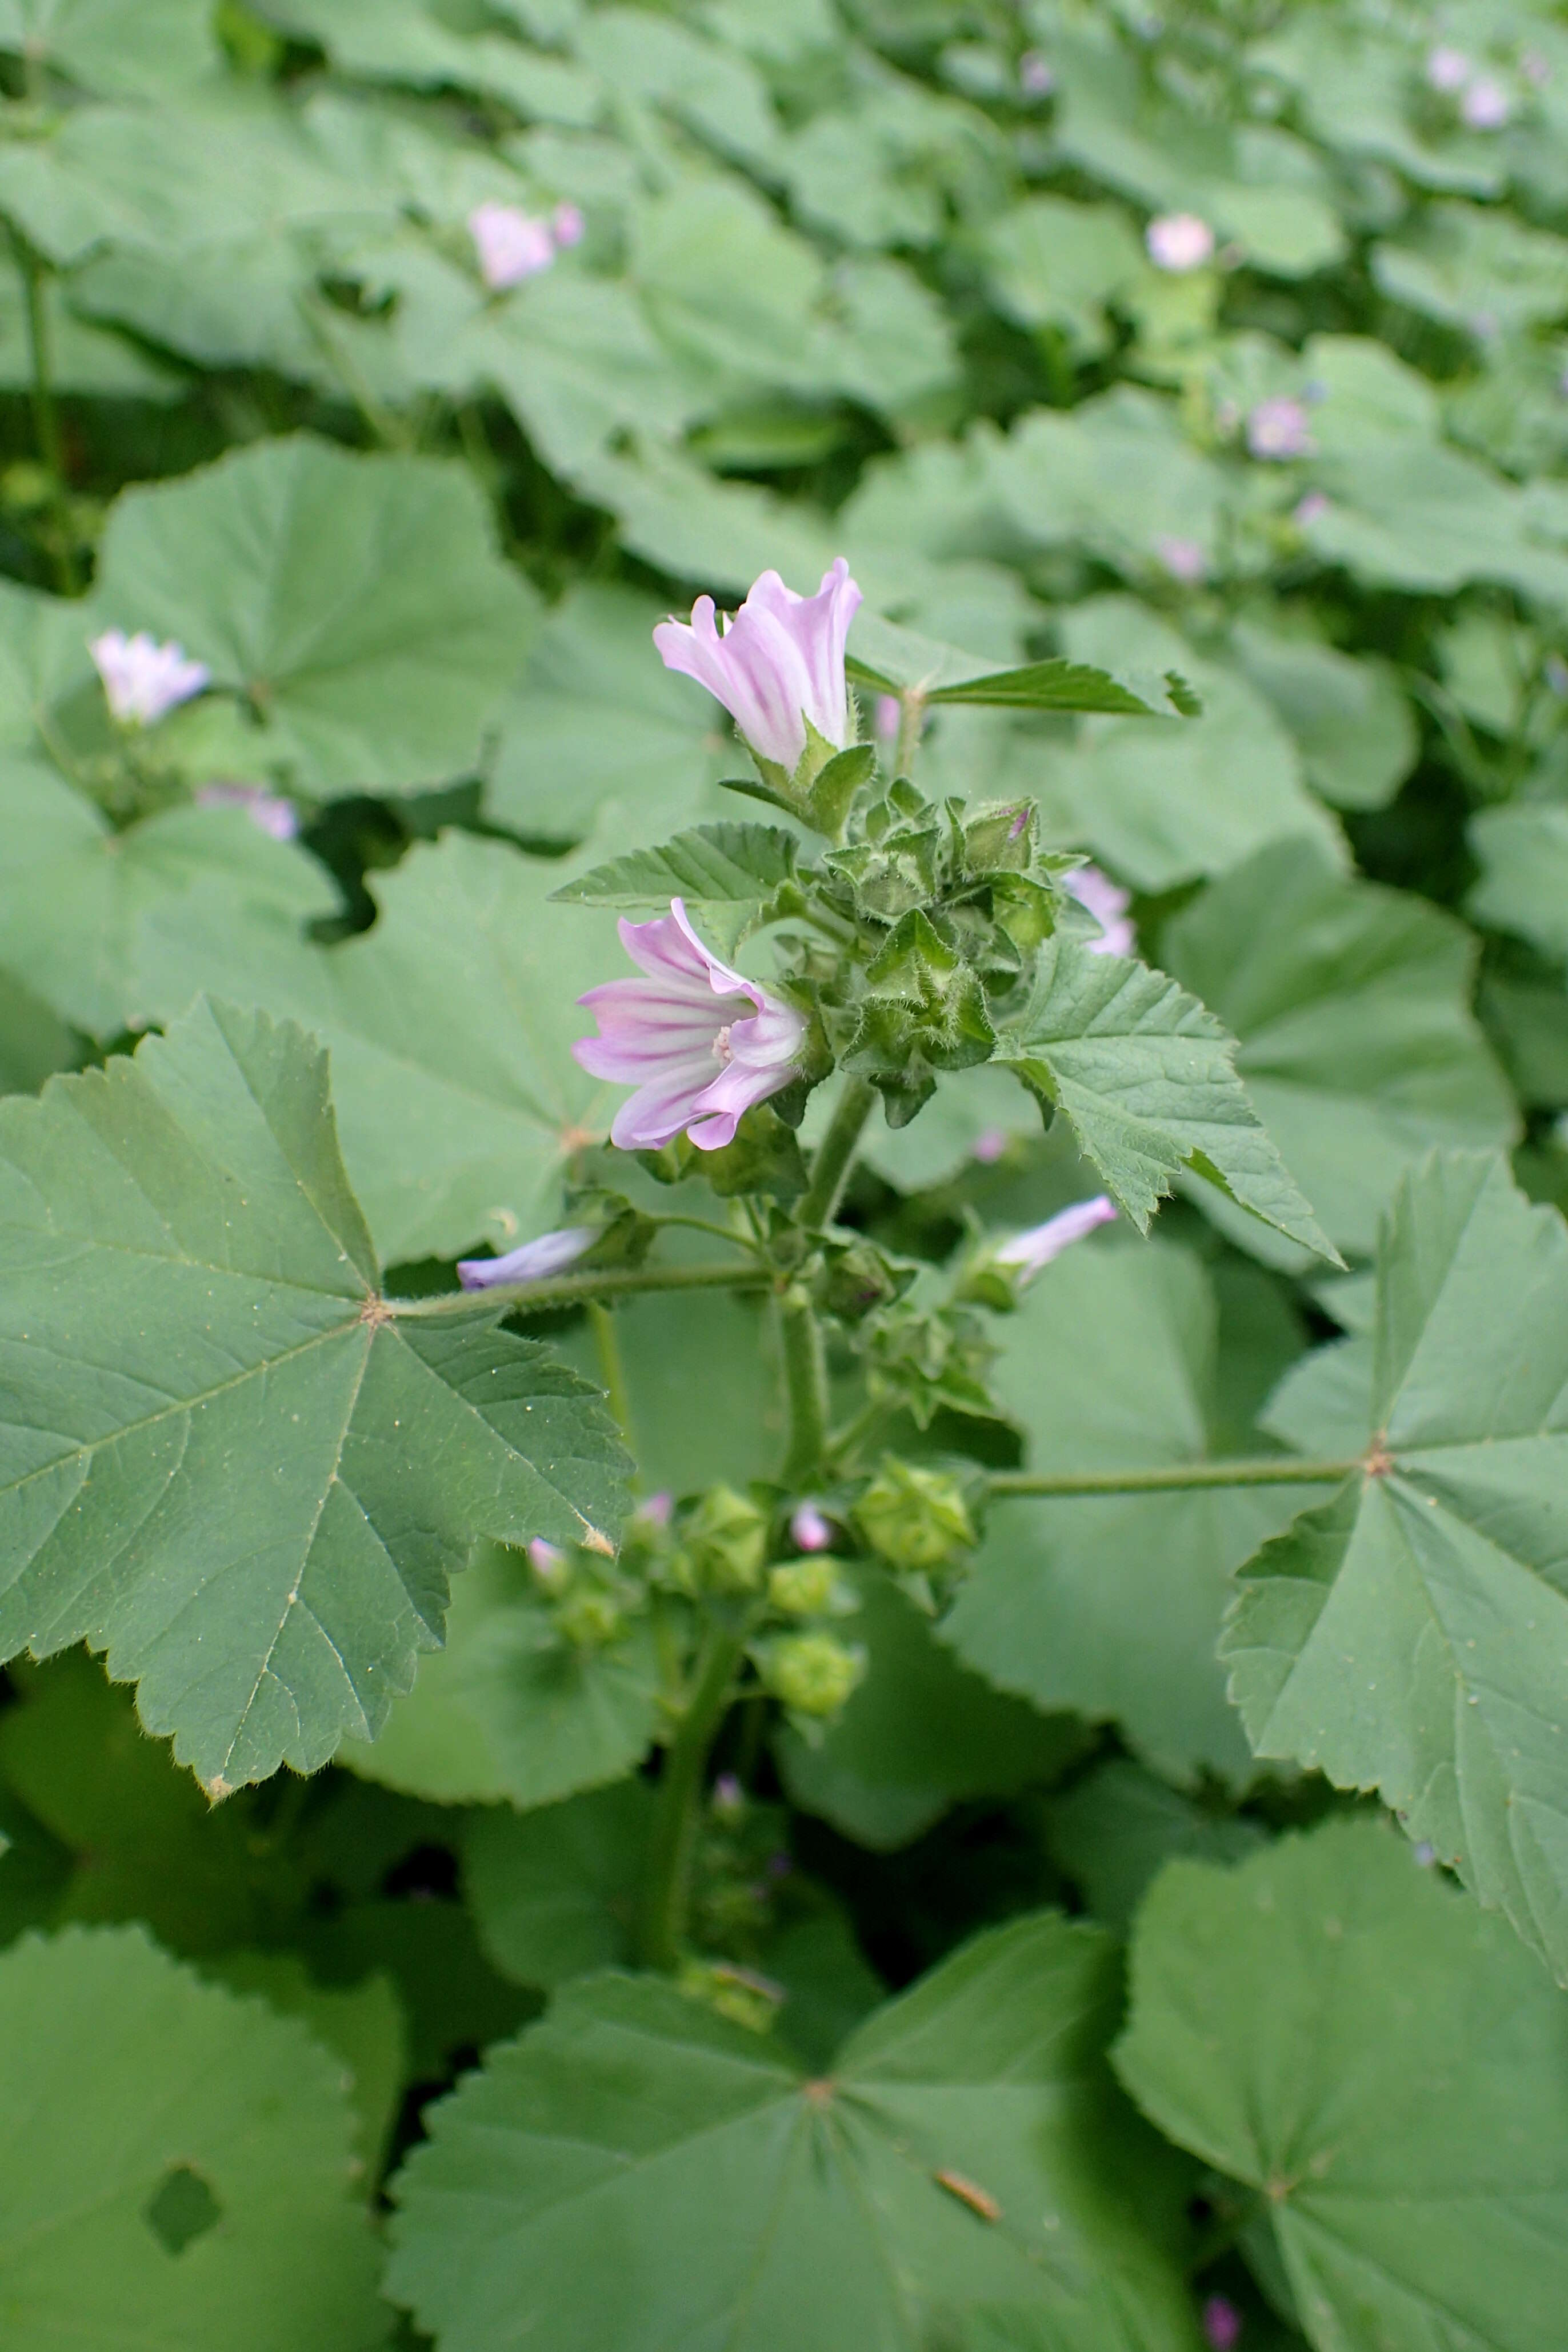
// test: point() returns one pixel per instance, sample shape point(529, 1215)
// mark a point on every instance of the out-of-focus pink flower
point(989, 1145)
point(777, 662)
point(567, 226)
point(1028, 1253)
point(1276, 429)
point(1179, 242)
point(1536, 69)
point(887, 717)
point(1485, 105)
point(270, 811)
point(510, 245)
point(548, 1562)
point(1108, 904)
point(655, 1508)
point(699, 1042)
point(532, 1262)
point(1222, 2323)
point(142, 680)
point(1035, 78)
point(1183, 559)
point(809, 1530)
point(1310, 510)
point(1448, 70)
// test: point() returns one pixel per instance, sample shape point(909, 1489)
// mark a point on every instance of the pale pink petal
point(1028, 1252)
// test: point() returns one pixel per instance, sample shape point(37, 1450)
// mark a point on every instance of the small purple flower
point(567, 226)
point(142, 680)
point(1425, 1855)
point(1107, 905)
point(1179, 242)
point(1035, 78)
point(274, 814)
point(1183, 559)
point(887, 717)
point(532, 1262)
point(510, 245)
point(1222, 2323)
point(1276, 429)
point(729, 1797)
point(1310, 510)
point(665, 1033)
point(989, 1145)
point(548, 1562)
point(1448, 70)
point(655, 1509)
point(777, 665)
point(1485, 105)
point(1028, 1253)
point(809, 1531)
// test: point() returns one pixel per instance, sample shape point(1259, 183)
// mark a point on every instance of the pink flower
point(1222, 2323)
point(809, 1531)
point(144, 680)
point(270, 811)
point(1183, 559)
point(700, 1043)
point(1310, 510)
point(1277, 429)
point(1179, 242)
point(1109, 906)
point(1035, 78)
point(1485, 105)
point(510, 245)
point(1448, 70)
point(567, 226)
point(1027, 1253)
point(655, 1509)
point(778, 664)
point(989, 1145)
point(548, 1562)
point(887, 717)
point(532, 1262)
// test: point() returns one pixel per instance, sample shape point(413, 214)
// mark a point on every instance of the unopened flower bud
point(1222, 2323)
point(729, 1798)
point(589, 1619)
point(809, 1531)
point(814, 1674)
point(914, 1518)
point(803, 1588)
point(726, 1541)
point(550, 1565)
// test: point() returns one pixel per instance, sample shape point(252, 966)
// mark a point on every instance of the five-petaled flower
point(699, 1042)
point(777, 665)
point(144, 680)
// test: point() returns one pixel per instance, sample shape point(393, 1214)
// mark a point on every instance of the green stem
point(46, 414)
point(805, 1383)
point(912, 718)
point(1175, 1477)
point(667, 1888)
point(612, 1370)
point(830, 1166)
point(578, 1289)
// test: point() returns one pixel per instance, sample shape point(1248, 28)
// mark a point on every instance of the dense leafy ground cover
point(801, 1781)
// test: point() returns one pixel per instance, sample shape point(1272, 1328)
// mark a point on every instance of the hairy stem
point(805, 1383)
point(1175, 1477)
point(830, 1167)
point(667, 1887)
point(558, 1290)
point(612, 1370)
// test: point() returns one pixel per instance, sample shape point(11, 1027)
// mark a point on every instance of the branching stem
point(667, 1888)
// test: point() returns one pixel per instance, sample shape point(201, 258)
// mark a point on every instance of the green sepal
point(828, 802)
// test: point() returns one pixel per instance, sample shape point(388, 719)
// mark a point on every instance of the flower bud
point(914, 1518)
point(803, 1588)
point(589, 1619)
point(726, 1541)
point(809, 1530)
point(550, 1565)
point(813, 1674)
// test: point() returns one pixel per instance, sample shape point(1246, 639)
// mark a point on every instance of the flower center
point(721, 1052)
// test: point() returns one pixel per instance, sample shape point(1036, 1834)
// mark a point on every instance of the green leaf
point(357, 601)
point(507, 1710)
point(93, 920)
point(362, 2025)
point(552, 1891)
point(966, 2153)
point(717, 864)
point(1523, 852)
point(1475, 268)
point(116, 49)
point(1146, 1078)
point(186, 2172)
point(1112, 1605)
point(1353, 2041)
point(1116, 1830)
point(1352, 1006)
point(918, 1734)
point(894, 660)
point(202, 1470)
point(1353, 724)
point(1411, 1636)
point(402, 41)
point(1055, 263)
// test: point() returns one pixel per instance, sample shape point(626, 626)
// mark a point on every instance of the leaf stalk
point(1175, 1477)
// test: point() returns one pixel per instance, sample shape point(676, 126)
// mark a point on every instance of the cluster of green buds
point(591, 1600)
point(922, 1522)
